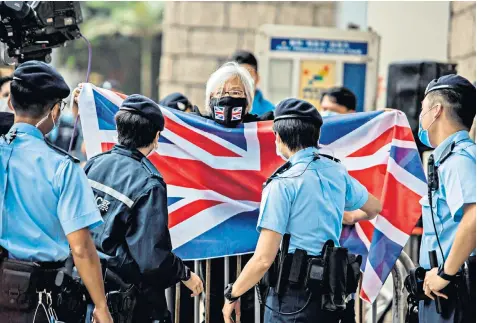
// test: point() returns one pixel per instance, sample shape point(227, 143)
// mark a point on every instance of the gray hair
point(226, 72)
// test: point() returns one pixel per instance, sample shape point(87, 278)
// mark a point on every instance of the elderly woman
point(228, 101)
point(229, 96)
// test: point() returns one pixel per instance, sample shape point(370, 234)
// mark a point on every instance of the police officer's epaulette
point(151, 168)
point(100, 154)
point(330, 157)
point(62, 152)
point(447, 152)
point(10, 136)
point(280, 170)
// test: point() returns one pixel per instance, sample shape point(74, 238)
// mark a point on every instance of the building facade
point(199, 36)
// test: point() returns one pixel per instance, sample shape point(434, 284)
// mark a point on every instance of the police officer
point(448, 213)
point(46, 204)
point(178, 101)
point(305, 198)
point(131, 195)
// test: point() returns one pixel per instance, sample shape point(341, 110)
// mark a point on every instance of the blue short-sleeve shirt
point(308, 201)
point(44, 196)
point(456, 189)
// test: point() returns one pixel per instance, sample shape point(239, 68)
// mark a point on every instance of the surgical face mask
point(423, 134)
point(279, 154)
point(329, 113)
point(4, 105)
point(154, 148)
point(44, 119)
point(228, 111)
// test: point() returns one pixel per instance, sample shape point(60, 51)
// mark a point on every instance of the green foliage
point(115, 30)
point(128, 18)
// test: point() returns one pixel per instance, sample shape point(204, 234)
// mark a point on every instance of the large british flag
point(214, 178)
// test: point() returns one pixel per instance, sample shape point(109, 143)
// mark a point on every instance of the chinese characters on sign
point(322, 46)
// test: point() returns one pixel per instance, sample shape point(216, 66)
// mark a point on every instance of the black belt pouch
point(18, 284)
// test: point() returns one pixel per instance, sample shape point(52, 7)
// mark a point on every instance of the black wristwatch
point(228, 294)
point(186, 275)
point(443, 275)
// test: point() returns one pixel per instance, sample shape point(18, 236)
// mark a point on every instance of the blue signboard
point(319, 46)
point(354, 78)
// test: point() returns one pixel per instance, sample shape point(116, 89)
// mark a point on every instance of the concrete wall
point(461, 47)
point(413, 30)
point(199, 36)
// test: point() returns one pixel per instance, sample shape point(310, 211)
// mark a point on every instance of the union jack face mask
point(228, 111)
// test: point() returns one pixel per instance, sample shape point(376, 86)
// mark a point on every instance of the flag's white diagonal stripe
point(217, 162)
point(406, 178)
point(371, 282)
point(205, 220)
point(217, 139)
point(367, 133)
point(362, 236)
point(90, 125)
point(390, 231)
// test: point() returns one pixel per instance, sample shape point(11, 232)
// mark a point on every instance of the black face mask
point(228, 111)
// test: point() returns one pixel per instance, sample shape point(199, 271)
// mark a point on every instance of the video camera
point(31, 29)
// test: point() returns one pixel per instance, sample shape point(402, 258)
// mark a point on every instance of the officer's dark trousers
point(457, 309)
point(293, 300)
point(151, 306)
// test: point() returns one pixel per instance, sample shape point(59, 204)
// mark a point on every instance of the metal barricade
point(399, 303)
point(400, 270)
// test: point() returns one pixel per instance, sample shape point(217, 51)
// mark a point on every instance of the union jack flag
point(237, 113)
point(219, 113)
point(214, 178)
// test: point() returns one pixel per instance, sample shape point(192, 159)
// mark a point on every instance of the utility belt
point(121, 297)
point(333, 275)
point(45, 287)
point(462, 288)
point(128, 302)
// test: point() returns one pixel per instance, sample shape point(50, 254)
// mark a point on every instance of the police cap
point(297, 109)
point(457, 83)
point(145, 107)
point(176, 101)
point(41, 78)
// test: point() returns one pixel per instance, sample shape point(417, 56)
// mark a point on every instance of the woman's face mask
point(228, 111)
point(229, 103)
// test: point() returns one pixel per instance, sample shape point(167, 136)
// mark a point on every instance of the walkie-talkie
point(434, 264)
point(432, 178)
point(283, 255)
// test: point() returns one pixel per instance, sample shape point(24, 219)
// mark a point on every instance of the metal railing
point(202, 304)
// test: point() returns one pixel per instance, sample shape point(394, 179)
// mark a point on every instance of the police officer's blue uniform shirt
point(456, 188)
point(310, 206)
point(44, 197)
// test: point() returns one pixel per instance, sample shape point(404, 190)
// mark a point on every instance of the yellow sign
point(315, 77)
